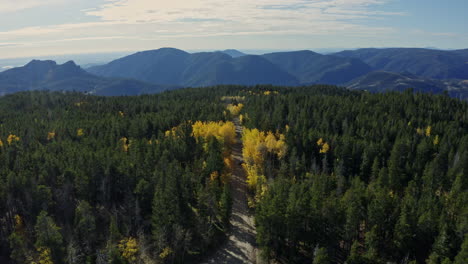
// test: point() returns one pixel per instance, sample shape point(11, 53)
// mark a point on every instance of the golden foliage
point(320, 142)
point(436, 140)
point(51, 135)
point(420, 131)
point(121, 114)
point(44, 256)
point(128, 247)
point(18, 222)
point(234, 109)
point(79, 132)
point(257, 143)
point(1, 143)
point(125, 144)
point(79, 104)
point(12, 138)
point(252, 173)
point(166, 253)
point(214, 176)
point(428, 131)
point(325, 147)
point(225, 132)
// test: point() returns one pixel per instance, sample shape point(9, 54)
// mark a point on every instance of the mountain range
point(48, 75)
point(153, 71)
point(435, 64)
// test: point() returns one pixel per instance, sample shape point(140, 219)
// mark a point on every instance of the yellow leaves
point(128, 247)
point(44, 256)
point(1, 143)
point(125, 144)
point(50, 135)
point(325, 147)
point(320, 142)
point(241, 118)
point(166, 253)
point(225, 132)
point(267, 92)
point(12, 138)
point(428, 131)
point(258, 143)
point(78, 104)
point(281, 147)
point(79, 132)
point(234, 109)
point(252, 175)
point(253, 139)
point(121, 114)
point(420, 131)
point(436, 140)
point(228, 163)
point(214, 176)
point(424, 131)
point(18, 221)
point(171, 133)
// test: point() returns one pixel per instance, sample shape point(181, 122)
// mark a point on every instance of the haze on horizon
point(53, 27)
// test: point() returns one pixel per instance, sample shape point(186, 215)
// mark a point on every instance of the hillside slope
point(437, 64)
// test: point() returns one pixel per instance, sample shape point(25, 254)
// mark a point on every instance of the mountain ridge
point(48, 75)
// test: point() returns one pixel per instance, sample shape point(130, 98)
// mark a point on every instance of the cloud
point(7, 6)
point(243, 15)
point(9, 44)
point(151, 20)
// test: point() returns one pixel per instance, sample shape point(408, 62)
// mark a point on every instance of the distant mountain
point(310, 67)
point(437, 64)
point(48, 75)
point(176, 67)
point(233, 53)
point(462, 53)
point(381, 81)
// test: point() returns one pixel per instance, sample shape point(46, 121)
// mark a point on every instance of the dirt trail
point(240, 246)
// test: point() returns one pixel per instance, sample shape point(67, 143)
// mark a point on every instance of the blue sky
point(51, 27)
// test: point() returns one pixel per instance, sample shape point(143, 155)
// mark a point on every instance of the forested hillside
point(334, 176)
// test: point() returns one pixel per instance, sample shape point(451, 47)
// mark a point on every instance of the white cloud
point(148, 20)
point(13, 6)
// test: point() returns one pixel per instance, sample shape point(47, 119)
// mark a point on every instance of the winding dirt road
point(240, 246)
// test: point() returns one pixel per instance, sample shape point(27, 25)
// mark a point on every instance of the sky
point(54, 27)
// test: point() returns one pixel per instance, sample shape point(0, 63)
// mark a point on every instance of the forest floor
point(240, 247)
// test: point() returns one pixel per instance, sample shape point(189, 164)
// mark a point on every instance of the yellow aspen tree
point(325, 148)
point(124, 143)
point(50, 135)
point(428, 131)
point(80, 132)
point(44, 256)
point(12, 138)
point(128, 247)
